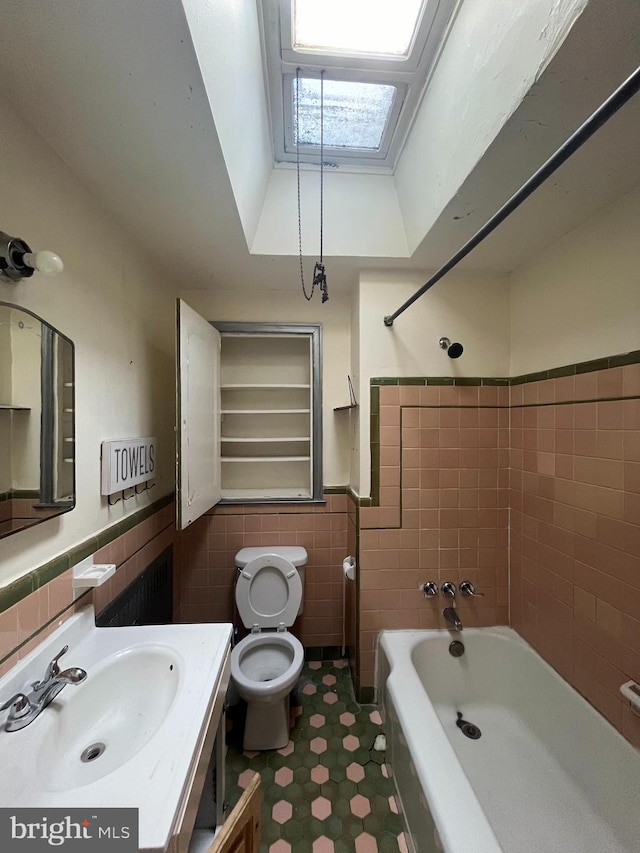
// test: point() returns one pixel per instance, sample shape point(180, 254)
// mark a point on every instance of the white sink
point(119, 708)
point(137, 720)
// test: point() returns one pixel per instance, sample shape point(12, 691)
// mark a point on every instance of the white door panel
point(198, 416)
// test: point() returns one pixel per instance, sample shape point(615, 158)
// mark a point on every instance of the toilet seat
point(268, 593)
point(274, 687)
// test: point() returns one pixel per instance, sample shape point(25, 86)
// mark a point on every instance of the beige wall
point(580, 298)
point(472, 309)
point(290, 307)
point(116, 307)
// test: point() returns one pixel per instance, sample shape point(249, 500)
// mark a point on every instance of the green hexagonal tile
point(310, 759)
point(342, 809)
point(373, 824)
point(270, 829)
point(388, 842)
point(293, 793)
point(367, 787)
point(347, 789)
point(293, 832)
point(310, 790)
point(393, 823)
point(333, 827)
point(301, 775)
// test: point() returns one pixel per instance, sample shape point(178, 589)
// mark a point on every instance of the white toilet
point(267, 663)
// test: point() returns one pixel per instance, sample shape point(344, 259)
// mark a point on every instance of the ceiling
point(121, 100)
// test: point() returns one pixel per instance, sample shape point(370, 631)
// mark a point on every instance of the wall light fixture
point(17, 261)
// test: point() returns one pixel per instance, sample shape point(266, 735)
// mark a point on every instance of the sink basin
point(112, 715)
point(127, 735)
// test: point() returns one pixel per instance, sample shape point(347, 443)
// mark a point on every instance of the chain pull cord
point(307, 296)
point(322, 277)
point(319, 275)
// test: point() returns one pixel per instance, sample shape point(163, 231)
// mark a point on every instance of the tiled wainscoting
point(575, 530)
point(530, 488)
point(34, 606)
point(205, 573)
point(442, 488)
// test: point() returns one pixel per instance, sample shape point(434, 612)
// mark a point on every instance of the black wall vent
point(146, 601)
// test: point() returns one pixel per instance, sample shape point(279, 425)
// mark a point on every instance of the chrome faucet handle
point(468, 590)
point(52, 670)
point(429, 589)
point(19, 704)
point(448, 589)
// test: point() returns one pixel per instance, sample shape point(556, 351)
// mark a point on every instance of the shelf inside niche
point(265, 458)
point(8, 407)
point(259, 386)
point(266, 495)
point(265, 411)
point(264, 440)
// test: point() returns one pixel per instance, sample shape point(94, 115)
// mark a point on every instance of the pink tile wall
point(443, 512)
point(575, 531)
point(206, 574)
point(24, 625)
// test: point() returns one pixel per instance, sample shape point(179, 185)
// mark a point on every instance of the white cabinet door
point(198, 415)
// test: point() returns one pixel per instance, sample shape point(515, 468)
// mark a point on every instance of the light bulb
point(45, 262)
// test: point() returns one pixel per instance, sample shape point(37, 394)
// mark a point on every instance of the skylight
point(375, 57)
point(375, 27)
point(355, 114)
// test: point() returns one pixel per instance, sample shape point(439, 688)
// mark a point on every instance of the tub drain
point(456, 648)
point(92, 752)
point(468, 729)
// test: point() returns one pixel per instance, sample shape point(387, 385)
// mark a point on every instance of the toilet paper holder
point(349, 568)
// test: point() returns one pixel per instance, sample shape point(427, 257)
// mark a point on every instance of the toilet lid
point(268, 592)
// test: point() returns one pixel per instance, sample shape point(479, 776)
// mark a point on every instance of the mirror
point(37, 421)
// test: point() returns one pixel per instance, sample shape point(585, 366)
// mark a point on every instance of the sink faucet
point(24, 708)
point(451, 615)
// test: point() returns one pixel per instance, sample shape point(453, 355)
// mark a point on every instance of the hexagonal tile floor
point(328, 790)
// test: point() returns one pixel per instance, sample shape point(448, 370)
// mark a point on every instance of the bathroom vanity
point(139, 731)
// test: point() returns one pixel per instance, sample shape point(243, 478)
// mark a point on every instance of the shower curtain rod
point(613, 103)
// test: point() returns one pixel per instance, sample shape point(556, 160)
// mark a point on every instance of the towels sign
point(127, 463)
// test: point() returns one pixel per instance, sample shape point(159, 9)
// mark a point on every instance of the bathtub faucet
point(451, 615)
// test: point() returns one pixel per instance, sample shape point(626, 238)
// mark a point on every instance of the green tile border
point(620, 360)
point(20, 588)
point(377, 382)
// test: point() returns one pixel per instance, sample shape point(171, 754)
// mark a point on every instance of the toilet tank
point(296, 554)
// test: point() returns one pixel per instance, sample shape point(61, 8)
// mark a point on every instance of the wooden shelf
point(9, 408)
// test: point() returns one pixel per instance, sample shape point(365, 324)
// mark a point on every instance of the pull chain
point(319, 275)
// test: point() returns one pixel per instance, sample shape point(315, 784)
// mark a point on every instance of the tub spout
point(451, 616)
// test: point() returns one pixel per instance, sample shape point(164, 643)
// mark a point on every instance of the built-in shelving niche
point(271, 410)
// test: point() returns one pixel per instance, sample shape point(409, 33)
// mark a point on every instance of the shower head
point(454, 350)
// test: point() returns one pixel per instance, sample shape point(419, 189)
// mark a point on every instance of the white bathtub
point(548, 774)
